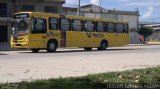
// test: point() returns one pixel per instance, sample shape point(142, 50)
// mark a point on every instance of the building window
point(3, 9)
point(3, 34)
point(28, 8)
point(51, 9)
point(89, 26)
point(77, 25)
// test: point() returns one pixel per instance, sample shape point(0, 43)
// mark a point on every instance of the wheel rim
point(52, 46)
point(104, 45)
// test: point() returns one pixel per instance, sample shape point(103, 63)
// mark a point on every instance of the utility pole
point(100, 2)
point(79, 6)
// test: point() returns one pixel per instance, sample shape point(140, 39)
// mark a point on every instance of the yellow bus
point(37, 30)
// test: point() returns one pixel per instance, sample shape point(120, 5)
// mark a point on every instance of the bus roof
point(77, 17)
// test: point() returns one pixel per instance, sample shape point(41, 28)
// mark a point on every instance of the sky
point(149, 9)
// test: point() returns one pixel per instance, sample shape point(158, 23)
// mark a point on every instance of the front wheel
point(103, 45)
point(35, 50)
point(52, 46)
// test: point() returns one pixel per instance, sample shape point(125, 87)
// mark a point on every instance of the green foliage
point(146, 31)
point(94, 81)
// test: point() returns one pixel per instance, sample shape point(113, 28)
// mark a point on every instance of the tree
point(145, 32)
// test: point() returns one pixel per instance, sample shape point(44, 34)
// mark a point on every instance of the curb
point(139, 44)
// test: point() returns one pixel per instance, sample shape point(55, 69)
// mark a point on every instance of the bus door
point(38, 35)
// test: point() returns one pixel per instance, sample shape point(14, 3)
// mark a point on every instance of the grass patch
point(96, 81)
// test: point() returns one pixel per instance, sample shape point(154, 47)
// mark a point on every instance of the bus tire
point(88, 49)
point(35, 50)
point(103, 45)
point(52, 46)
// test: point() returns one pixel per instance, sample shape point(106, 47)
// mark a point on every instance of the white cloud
point(149, 12)
point(71, 2)
point(95, 2)
point(142, 3)
point(74, 3)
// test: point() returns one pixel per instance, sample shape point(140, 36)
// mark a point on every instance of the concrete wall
point(5, 45)
point(133, 24)
point(132, 20)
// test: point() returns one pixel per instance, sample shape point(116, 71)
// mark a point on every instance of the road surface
point(16, 66)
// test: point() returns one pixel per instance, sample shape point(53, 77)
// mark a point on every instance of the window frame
point(85, 27)
point(28, 9)
point(60, 23)
point(50, 9)
point(35, 31)
point(77, 25)
point(54, 23)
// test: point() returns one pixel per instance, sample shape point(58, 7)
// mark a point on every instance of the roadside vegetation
point(95, 81)
point(145, 32)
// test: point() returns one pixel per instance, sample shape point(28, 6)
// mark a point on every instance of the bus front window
point(20, 27)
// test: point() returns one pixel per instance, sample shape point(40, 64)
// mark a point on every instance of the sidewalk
point(138, 44)
point(153, 43)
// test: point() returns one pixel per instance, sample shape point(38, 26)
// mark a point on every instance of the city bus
point(38, 30)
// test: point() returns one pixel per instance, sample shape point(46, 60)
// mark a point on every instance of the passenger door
point(38, 33)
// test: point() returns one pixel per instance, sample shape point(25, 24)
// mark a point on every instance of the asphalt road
point(18, 66)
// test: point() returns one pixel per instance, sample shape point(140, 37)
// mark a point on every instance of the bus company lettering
point(96, 35)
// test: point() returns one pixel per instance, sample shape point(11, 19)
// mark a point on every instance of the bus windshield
point(20, 27)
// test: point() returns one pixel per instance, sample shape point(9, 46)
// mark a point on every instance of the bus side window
point(100, 27)
point(106, 27)
point(39, 25)
point(89, 26)
point(119, 28)
point(126, 28)
point(65, 24)
point(77, 25)
point(111, 28)
point(53, 23)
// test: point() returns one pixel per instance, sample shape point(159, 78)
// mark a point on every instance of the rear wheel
point(35, 50)
point(52, 46)
point(88, 49)
point(103, 45)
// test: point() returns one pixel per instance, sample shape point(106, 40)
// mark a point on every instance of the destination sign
point(20, 16)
